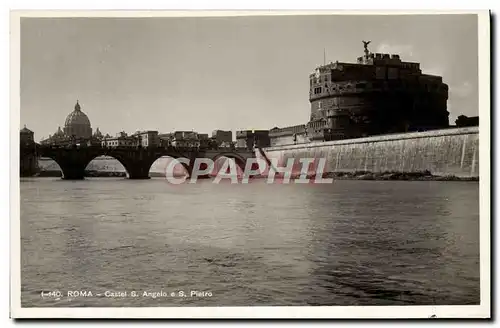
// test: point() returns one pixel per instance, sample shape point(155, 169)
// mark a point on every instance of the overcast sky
point(229, 73)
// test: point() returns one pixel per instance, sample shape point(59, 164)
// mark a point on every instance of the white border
point(484, 65)
point(473, 311)
point(15, 14)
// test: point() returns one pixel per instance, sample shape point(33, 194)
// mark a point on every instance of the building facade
point(244, 139)
point(252, 138)
point(185, 139)
point(205, 141)
point(165, 140)
point(147, 138)
point(121, 140)
point(222, 138)
point(290, 135)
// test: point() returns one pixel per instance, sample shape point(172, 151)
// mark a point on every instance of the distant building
point(244, 139)
point(121, 140)
point(58, 139)
point(165, 139)
point(76, 130)
point(250, 138)
point(147, 138)
point(291, 135)
point(26, 136)
point(97, 134)
point(185, 139)
point(204, 140)
point(261, 138)
point(97, 138)
point(463, 121)
point(222, 138)
point(28, 163)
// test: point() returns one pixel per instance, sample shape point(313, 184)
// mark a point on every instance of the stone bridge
point(137, 161)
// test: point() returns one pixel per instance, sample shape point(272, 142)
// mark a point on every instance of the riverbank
point(356, 175)
point(445, 153)
point(386, 176)
point(95, 174)
point(403, 176)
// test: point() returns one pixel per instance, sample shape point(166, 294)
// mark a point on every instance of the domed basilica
point(77, 128)
point(77, 124)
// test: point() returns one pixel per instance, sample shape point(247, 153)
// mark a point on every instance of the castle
point(379, 94)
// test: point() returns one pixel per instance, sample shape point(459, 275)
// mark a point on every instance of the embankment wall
point(442, 152)
point(289, 140)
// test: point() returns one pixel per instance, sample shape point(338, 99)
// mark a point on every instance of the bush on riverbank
point(390, 175)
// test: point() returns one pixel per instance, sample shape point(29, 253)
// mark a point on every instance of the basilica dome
point(77, 124)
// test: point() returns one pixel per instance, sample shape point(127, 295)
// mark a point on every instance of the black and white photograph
point(250, 164)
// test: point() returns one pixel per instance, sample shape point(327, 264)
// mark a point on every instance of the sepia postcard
point(263, 164)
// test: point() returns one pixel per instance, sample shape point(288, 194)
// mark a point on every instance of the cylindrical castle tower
point(379, 94)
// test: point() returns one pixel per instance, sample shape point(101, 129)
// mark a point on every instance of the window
point(317, 90)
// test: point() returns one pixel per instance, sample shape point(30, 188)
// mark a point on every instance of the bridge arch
point(48, 166)
point(71, 161)
point(239, 160)
point(139, 162)
point(161, 167)
point(101, 166)
point(72, 168)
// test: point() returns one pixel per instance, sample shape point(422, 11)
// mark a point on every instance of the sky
point(230, 73)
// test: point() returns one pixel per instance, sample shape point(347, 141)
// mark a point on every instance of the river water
point(120, 241)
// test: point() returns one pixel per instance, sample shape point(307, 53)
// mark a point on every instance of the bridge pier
point(138, 177)
point(138, 173)
point(73, 172)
